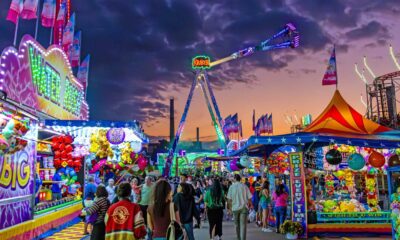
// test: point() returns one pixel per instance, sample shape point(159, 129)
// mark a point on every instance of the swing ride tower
point(288, 37)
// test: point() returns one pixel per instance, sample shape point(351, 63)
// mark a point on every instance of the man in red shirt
point(124, 220)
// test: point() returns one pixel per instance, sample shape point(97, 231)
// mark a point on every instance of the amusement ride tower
point(288, 37)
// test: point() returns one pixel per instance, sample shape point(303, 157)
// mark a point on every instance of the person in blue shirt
point(89, 191)
point(56, 187)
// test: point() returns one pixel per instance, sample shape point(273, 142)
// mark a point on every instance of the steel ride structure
point(381, 94)
point(288, 37)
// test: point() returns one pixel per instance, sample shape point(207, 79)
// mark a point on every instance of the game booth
point(342, 171)
point(109, 149)
point(36, 84)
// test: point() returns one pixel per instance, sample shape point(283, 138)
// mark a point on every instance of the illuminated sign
point(306, 120)
point(297, 180)
point(43, 80)
point(201, 62)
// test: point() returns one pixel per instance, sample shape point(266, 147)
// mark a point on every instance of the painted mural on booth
point(16, 182)
point(42, 79)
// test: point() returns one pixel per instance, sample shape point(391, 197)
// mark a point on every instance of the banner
point(15, 10)
point(76, 50)
point(16, 182)
point(83, 72)
point(68, 35)
point(29, 10)
point(48, 13)
point(298, 194)
point(330, 77)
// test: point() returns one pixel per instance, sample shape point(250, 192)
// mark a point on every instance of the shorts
point(264, 205)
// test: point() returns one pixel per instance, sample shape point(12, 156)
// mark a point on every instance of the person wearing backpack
point(215, 203)
point(159, 212)
point(184, 200)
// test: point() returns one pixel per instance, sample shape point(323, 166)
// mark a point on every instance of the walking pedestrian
point(99, 207)
point(280, 197)
point(265, 201)
point(124, 219)
point(215, 203)
point(158, 212)
point(187, 209)
point(145, 197)
point(90, 192)
point(111, 190)
point(240, 196)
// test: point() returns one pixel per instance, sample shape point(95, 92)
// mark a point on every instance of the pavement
point(253, 233)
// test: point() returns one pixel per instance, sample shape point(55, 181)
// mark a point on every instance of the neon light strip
point(394, 57)
point(369, 69)
point(63, 54)
point(222, 60)
point(361, 76)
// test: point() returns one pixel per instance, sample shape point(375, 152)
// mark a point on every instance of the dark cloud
point(372, 29)
point(334, 12)
point(140, 49)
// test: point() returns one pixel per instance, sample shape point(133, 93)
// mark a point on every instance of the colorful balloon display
point(394, 160)
point(356, 161)
point(333, 157)
point(376, 160)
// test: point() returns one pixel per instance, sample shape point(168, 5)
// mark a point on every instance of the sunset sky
point(141, 53)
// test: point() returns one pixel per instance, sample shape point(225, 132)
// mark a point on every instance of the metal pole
point(37, 20)
point(16, 32)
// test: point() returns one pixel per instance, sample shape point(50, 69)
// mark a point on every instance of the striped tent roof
point(340, 117)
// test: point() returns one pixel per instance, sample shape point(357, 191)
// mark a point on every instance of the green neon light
point(201, 62)
point(48, 84)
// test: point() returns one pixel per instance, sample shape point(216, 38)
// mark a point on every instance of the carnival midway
point(64, 175)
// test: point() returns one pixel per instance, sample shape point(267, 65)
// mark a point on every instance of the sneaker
point(267, 230)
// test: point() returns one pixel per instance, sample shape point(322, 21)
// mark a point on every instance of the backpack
point(174, 231)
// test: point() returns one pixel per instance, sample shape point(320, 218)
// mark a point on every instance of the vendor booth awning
point(340, 117)
point(339, 123)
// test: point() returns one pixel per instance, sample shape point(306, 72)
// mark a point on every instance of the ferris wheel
point(288, 37)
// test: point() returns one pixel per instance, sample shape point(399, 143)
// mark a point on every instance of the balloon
point(57, 154)
point(394, 160)
point(376, 159)
point(68, 139)
point(239, 165)
point(333, 157)
point(142, 163)
point(61, 146)
point(233, 165)
point(356, 161)
point(69, 148)
point(244, 161)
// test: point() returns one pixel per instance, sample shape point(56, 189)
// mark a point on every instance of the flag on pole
point(48, 13)
point(83, 72)
point(234, 125)
point(265, 123)
point(76, 50)
point(270, 126)
point(68, 35)
point(240, 128)
point(254, 120)
point(61, 15)
point(257, 129)
point(15, 10)
point(330, 76)
point(29, 9)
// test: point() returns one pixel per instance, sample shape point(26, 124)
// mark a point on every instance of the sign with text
point(201, 62)
point(16, 183)
point(43, 80)
point(297, 179)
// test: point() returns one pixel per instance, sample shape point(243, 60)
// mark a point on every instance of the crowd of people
point(145, 208)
